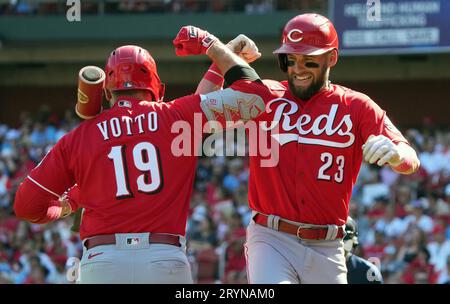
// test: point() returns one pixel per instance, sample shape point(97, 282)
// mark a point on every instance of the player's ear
point(333, 58)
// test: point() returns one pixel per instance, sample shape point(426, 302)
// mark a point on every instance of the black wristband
point(240, 72)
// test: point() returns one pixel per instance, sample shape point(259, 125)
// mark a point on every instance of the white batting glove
point(382, 150)
point(245, 48)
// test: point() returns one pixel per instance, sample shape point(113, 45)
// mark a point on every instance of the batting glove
point(72, 197)
point(192, 40)
point(381, 150)
point(245, 48)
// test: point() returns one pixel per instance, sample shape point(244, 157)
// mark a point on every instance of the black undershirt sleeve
point(240, 72)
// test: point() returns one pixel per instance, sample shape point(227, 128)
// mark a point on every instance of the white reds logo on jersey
point(307, 128)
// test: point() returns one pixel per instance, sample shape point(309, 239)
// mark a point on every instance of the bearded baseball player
point(324, 131)
point(134, 190)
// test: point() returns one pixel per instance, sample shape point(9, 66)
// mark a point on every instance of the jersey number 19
point(146, 160)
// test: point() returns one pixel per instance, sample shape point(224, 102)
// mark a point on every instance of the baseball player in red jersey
point(324, 131)
point(135, 192)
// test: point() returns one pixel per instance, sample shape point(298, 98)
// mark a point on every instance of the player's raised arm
point(231, 104)
point(213, 79)
point(191, 40)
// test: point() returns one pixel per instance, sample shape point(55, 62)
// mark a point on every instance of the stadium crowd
point(403, 220)
point(51, 7)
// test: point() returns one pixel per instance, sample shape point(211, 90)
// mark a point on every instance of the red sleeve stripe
point(49, 191)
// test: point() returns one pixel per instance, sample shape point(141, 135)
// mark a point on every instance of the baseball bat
point(77, 220)
point(89, 105)
point(90, 92)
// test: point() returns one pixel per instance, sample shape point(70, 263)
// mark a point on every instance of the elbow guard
point(231, 106)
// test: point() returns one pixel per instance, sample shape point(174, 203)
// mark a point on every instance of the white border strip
point(58, 196)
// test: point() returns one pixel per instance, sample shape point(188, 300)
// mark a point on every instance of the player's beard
point(311, 90)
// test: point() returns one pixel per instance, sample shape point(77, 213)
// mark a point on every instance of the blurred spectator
point(18, 273)
point(63, 130)
point(414, 241)
point(37, 273)
point(235, 271)
point(241, 200)
point(419, 271)
point(391, 265)
point(389, 224)
point(444, 278)
point(24, 167)
point(373, 189)
point(259, 7)
point(5, 187)
point(439, 250)
point(439, 207)
point(235, 227)
point(204, 235)
point(58, 276)
point(219, 5)
point(402, 197)
point(234, 177)
point(56, 249)
point(376, 250)
point(418, 217)
point(38, 136)
point(431, 159)
point(24, 7)
point(388, 176)
point(377, 209)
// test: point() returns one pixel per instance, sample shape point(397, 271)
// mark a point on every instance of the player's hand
point(245, 48)
point(70, 200)
point(192, 40)
point(381, 150)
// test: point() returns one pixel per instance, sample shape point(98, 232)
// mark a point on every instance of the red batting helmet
point(307, 34)
point(131, 67)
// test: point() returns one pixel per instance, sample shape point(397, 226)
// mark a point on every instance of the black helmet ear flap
point(282, 62)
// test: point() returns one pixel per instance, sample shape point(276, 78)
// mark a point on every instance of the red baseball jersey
point(122, 160)
point(320, 152)
point(134, 165)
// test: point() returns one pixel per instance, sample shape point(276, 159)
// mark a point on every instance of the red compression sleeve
point(214, 75)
